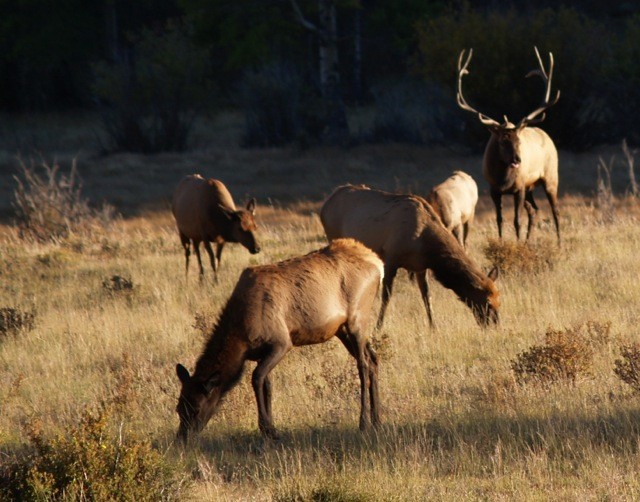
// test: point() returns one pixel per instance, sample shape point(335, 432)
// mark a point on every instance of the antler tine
point(547, 77)
point(462, 103)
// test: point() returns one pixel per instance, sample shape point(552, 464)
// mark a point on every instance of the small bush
point(49, 204)
point(92, 462)
point(117, 283)
point(522, 257)
point(627, 369)
point(565, 355)
point(14, 321)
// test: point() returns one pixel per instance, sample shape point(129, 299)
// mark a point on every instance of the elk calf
point(519, 157)
point(205, 212)
point(455, 202)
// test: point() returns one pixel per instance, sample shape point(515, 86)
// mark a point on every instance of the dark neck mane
point(223, 352)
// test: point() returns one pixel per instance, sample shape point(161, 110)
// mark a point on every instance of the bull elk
point(519, 157)
point(301, 301)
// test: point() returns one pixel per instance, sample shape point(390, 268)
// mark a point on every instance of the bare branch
point(301, 19)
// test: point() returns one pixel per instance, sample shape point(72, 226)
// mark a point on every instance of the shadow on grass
point(557, 435)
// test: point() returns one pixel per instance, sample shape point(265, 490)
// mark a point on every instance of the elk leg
point(258, 379)
point(356, 347)
point(219, 247)
point(467, 229)
point(212, 259)
point(423, 285)
point(552, 197)
point(387, 287)
point(266, 389)
point(532, 210)
point(186, 244)
point(196, 248)
point(458, 234)
point(373, 385)
point(518, 206)
point(497, 202)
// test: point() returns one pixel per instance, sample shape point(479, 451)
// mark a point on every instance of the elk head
point(197, 403)
point(243, 225)
point(507, 134)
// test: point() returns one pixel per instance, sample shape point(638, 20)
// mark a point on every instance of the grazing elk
point(405, 232)
point(519, 157)
point(205, 212)
point(455, 202)
point(273, 308)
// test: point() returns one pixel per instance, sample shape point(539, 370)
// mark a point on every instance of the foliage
point(92, 462)
point(279, 109)
point(522, 256)
point(627, 368)
point(503, 54)
point(13, 321)
point(565, 355)
point(50, 206)
point(412, 112)
point(150, 100)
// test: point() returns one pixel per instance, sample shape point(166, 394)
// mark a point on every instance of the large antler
point(546, 76)
point(462, 103)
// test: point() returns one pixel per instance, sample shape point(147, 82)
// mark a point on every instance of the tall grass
point(456, 424)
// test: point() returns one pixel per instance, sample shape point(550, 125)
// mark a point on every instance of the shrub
point(150, 100)
point(627, 369)
point(49, 205)
point(92, 462)
point(117, 283)
point(565, 355)
point(413, 112)
point(13, 321)
point(279, 109)
point(522, 257)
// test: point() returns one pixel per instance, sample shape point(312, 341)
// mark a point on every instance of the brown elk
point(205, 212)
point(519, 157)
point(273, 308)
point(455, 202)
point(406, 232)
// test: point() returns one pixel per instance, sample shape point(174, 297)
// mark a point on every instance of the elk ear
point(251, 206)
point(493, 274)
point(228, 213)
point(213, 381)
point(183, 374)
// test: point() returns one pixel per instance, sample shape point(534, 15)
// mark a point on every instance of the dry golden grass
point(456, 424)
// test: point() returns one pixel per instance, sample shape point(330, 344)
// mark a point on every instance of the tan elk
point(405, 232)
point(519, 157)
point(273, 308)
point(205, 212)
point(455, 202)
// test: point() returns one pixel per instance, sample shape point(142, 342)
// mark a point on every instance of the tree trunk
point(357, 56)
point(337, 131)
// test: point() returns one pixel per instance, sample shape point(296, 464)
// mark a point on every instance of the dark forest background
point(296, 68)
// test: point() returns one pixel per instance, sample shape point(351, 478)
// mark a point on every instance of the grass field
point(456, 422)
